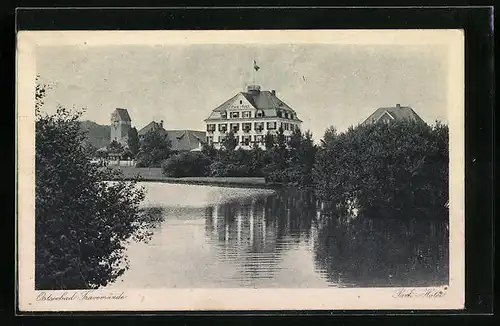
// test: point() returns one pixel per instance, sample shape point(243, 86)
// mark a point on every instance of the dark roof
point(397, 113)
point(122, 114)
point(150, 126)
point(185, 140)
point(181, 140)
point(260, 100)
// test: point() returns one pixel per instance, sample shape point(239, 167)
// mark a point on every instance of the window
point(286, 115)
point(235, 127)
point(235, 114)
point(258, 139)
point(210, 127)
point(210, 140)
point(218, 139)
point(246, 126)
point(241, 102)
point(245, 140)
point(271, 125)
point(223, 127)
point(247, 114)
point(223, 115)
point(259, 126)
point(279, 114)
point(259, 114)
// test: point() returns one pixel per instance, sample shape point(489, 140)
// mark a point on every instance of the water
point(229, 237)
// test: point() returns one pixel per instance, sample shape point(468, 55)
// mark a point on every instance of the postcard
point(240, 170)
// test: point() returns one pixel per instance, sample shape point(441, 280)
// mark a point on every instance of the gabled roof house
point(180, 140)
point(396, 113)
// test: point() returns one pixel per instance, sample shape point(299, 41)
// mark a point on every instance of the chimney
point(273, 92)
point(398, 105)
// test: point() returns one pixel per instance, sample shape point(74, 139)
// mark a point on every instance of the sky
point(326, 84)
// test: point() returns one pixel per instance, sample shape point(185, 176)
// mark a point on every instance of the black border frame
point(477, 23)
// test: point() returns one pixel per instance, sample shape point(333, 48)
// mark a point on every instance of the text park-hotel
point(250, 115)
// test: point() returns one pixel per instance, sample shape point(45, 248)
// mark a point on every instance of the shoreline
point(155, 175)
point(218, 183)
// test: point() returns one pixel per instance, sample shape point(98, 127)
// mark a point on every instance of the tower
point(120, 126)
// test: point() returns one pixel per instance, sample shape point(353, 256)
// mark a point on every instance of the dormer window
point(259, 114)
point(279, 114)
point(223, 115)
point(286, 115)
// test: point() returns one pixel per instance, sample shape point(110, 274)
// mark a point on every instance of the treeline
point(288, 162)
point(395, 169)
point(378, 169)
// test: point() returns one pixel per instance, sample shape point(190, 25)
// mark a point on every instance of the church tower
point(120, 126)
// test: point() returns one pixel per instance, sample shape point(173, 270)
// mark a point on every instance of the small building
point(396, 113)
point(120, 126)
point(180, 140)
point(153, 125)
point(250, 115)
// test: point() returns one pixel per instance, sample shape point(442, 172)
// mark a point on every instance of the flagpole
point(253, 74)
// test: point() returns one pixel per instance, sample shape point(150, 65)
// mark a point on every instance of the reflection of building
point(389, 114)
point(254, 233)
point(180, 140)
point(250, 115)
point(120, 126)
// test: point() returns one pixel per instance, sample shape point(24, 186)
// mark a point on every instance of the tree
point(40, 93)
point(307, 159)
point(230, 142)
point(256, 160)
point(115, 149)
point(329, 136)
point(82, 223)
point(133, 141)
point(155, 148)
point(278, 160)
point(269, 141)
point(209, 151)
point(188, 164)
point(392, 169)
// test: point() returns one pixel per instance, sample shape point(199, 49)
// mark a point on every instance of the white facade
point(251, 115)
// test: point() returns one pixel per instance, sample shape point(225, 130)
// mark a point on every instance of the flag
point(255, 66)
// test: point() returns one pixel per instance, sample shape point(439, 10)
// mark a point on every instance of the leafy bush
point(189, 164)
point(82, 222)
point(386, 168)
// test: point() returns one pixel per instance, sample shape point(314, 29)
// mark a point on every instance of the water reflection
point(370, 252)
point(248, 238)
point(255, 232)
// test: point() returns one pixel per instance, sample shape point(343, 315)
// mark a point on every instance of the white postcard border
point(450, 297)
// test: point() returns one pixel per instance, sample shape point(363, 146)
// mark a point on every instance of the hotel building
point(250, 115)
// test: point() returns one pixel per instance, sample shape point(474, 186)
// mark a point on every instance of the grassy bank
point(154, 174)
